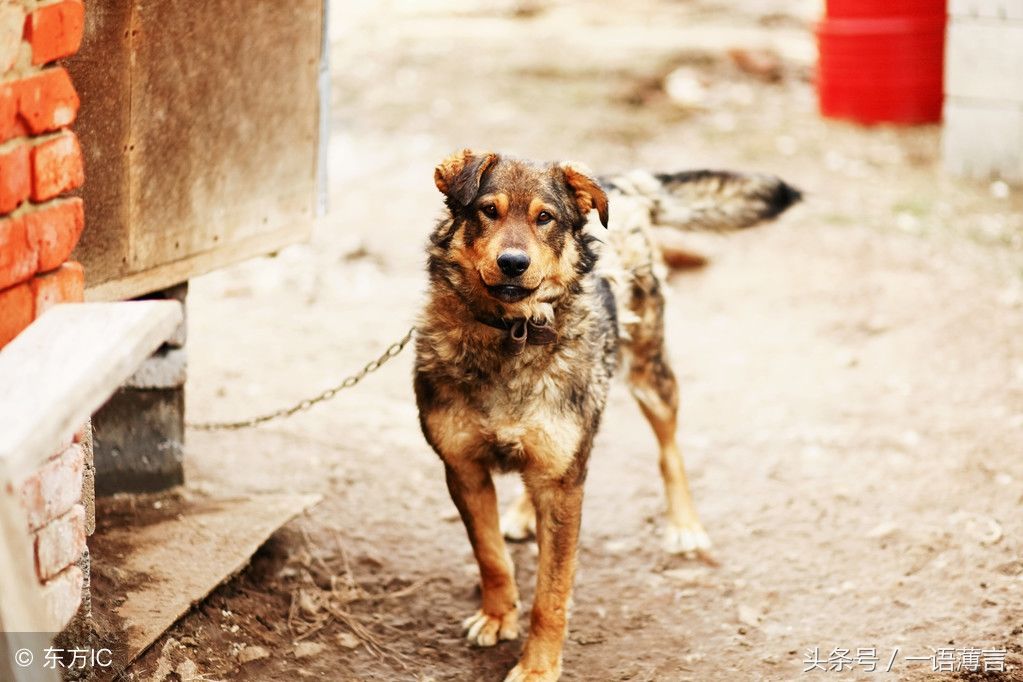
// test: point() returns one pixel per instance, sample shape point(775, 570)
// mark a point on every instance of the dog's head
point(515, 243)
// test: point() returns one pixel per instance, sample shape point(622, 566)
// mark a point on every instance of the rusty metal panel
point(217, 160)
point(101, 74)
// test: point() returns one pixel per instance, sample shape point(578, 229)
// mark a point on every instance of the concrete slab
point(154, 557)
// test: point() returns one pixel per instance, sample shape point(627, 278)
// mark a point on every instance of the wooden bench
point(53, 376)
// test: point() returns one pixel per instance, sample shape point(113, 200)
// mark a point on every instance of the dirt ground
point(852, 374)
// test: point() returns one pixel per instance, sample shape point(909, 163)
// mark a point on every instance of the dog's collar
point(521, 331)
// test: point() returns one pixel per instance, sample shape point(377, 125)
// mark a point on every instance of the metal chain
point(349, 381)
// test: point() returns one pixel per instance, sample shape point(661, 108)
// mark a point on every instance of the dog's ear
point(459, 176)
point(588, 192)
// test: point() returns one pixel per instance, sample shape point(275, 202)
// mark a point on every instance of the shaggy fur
point(513, 368)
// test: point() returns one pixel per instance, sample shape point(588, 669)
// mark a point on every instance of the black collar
point(520, 331)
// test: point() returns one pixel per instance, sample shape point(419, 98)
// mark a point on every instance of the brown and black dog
point(527, 315)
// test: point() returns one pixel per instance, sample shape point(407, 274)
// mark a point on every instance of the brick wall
point(59, 504)
point(40, 160)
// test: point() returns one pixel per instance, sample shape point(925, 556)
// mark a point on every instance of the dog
point(528, 314)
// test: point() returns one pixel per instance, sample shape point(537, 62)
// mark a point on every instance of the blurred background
point(852, 375)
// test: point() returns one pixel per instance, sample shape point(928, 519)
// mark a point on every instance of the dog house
point(199, 125)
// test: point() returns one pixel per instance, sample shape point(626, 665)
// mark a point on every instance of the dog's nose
point(513, 262)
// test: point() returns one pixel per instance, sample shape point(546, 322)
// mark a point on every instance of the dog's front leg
point(558, 514)
point(472, 490)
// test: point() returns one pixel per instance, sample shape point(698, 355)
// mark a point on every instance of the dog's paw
point(482, 629)
point(685, 539)
point(521, 673)
point(518, 524)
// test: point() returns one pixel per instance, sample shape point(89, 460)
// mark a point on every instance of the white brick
point(54, 488)
point(983, 139)
point(989, 9)
point(62, 596)
point(60, 543)
point(12, 22)
point(984, 60)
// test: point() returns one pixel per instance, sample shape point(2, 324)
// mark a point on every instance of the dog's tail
point(710, 200)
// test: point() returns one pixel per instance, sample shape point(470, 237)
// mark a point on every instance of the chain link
point(392, 351)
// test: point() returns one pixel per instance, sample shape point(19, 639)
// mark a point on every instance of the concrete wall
point(983, 135)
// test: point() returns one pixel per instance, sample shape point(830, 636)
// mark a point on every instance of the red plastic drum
point(881, 61)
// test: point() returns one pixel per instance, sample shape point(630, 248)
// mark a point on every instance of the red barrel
point(882, 61)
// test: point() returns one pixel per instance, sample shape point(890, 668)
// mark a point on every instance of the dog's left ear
point(459, 176)
point(588, 192)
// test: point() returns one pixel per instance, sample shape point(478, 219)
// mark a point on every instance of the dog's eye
point(543, 218)
point(490, 211)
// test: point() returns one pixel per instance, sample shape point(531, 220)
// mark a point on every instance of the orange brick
point(56, 167)
point(47, 101)
point(9, 122)
point(55, 31)
point(66, 284)
point(53, 230)
point(19, 254)
point(17, 310)
point(15, 178)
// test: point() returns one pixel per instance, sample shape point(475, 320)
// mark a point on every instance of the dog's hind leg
point(655, 388)
point(472, 490)
point(518, 522)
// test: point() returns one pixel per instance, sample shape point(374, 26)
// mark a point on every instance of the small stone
point(348, 640)
point(252, 653)
point(765, 64)
point(999, 189)
point(684, 87)
point(911, 439)
point(308, 649)
point(617, 546)
point(187, 670)
point(307, 603)
point(883, 530)
point(749, 616)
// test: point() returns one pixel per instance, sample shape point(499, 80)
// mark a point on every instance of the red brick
point(55, 30)
point(66, 284)
point(47, 101)
point(17, 310)
point(10, 124)
point(53, 231)
point(15, 178)
point(60, 543)
point(54, 488)
point(62, 596)
point(19, 253)
point(56, 167)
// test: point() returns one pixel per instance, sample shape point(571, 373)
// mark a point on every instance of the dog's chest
point(526, 419)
